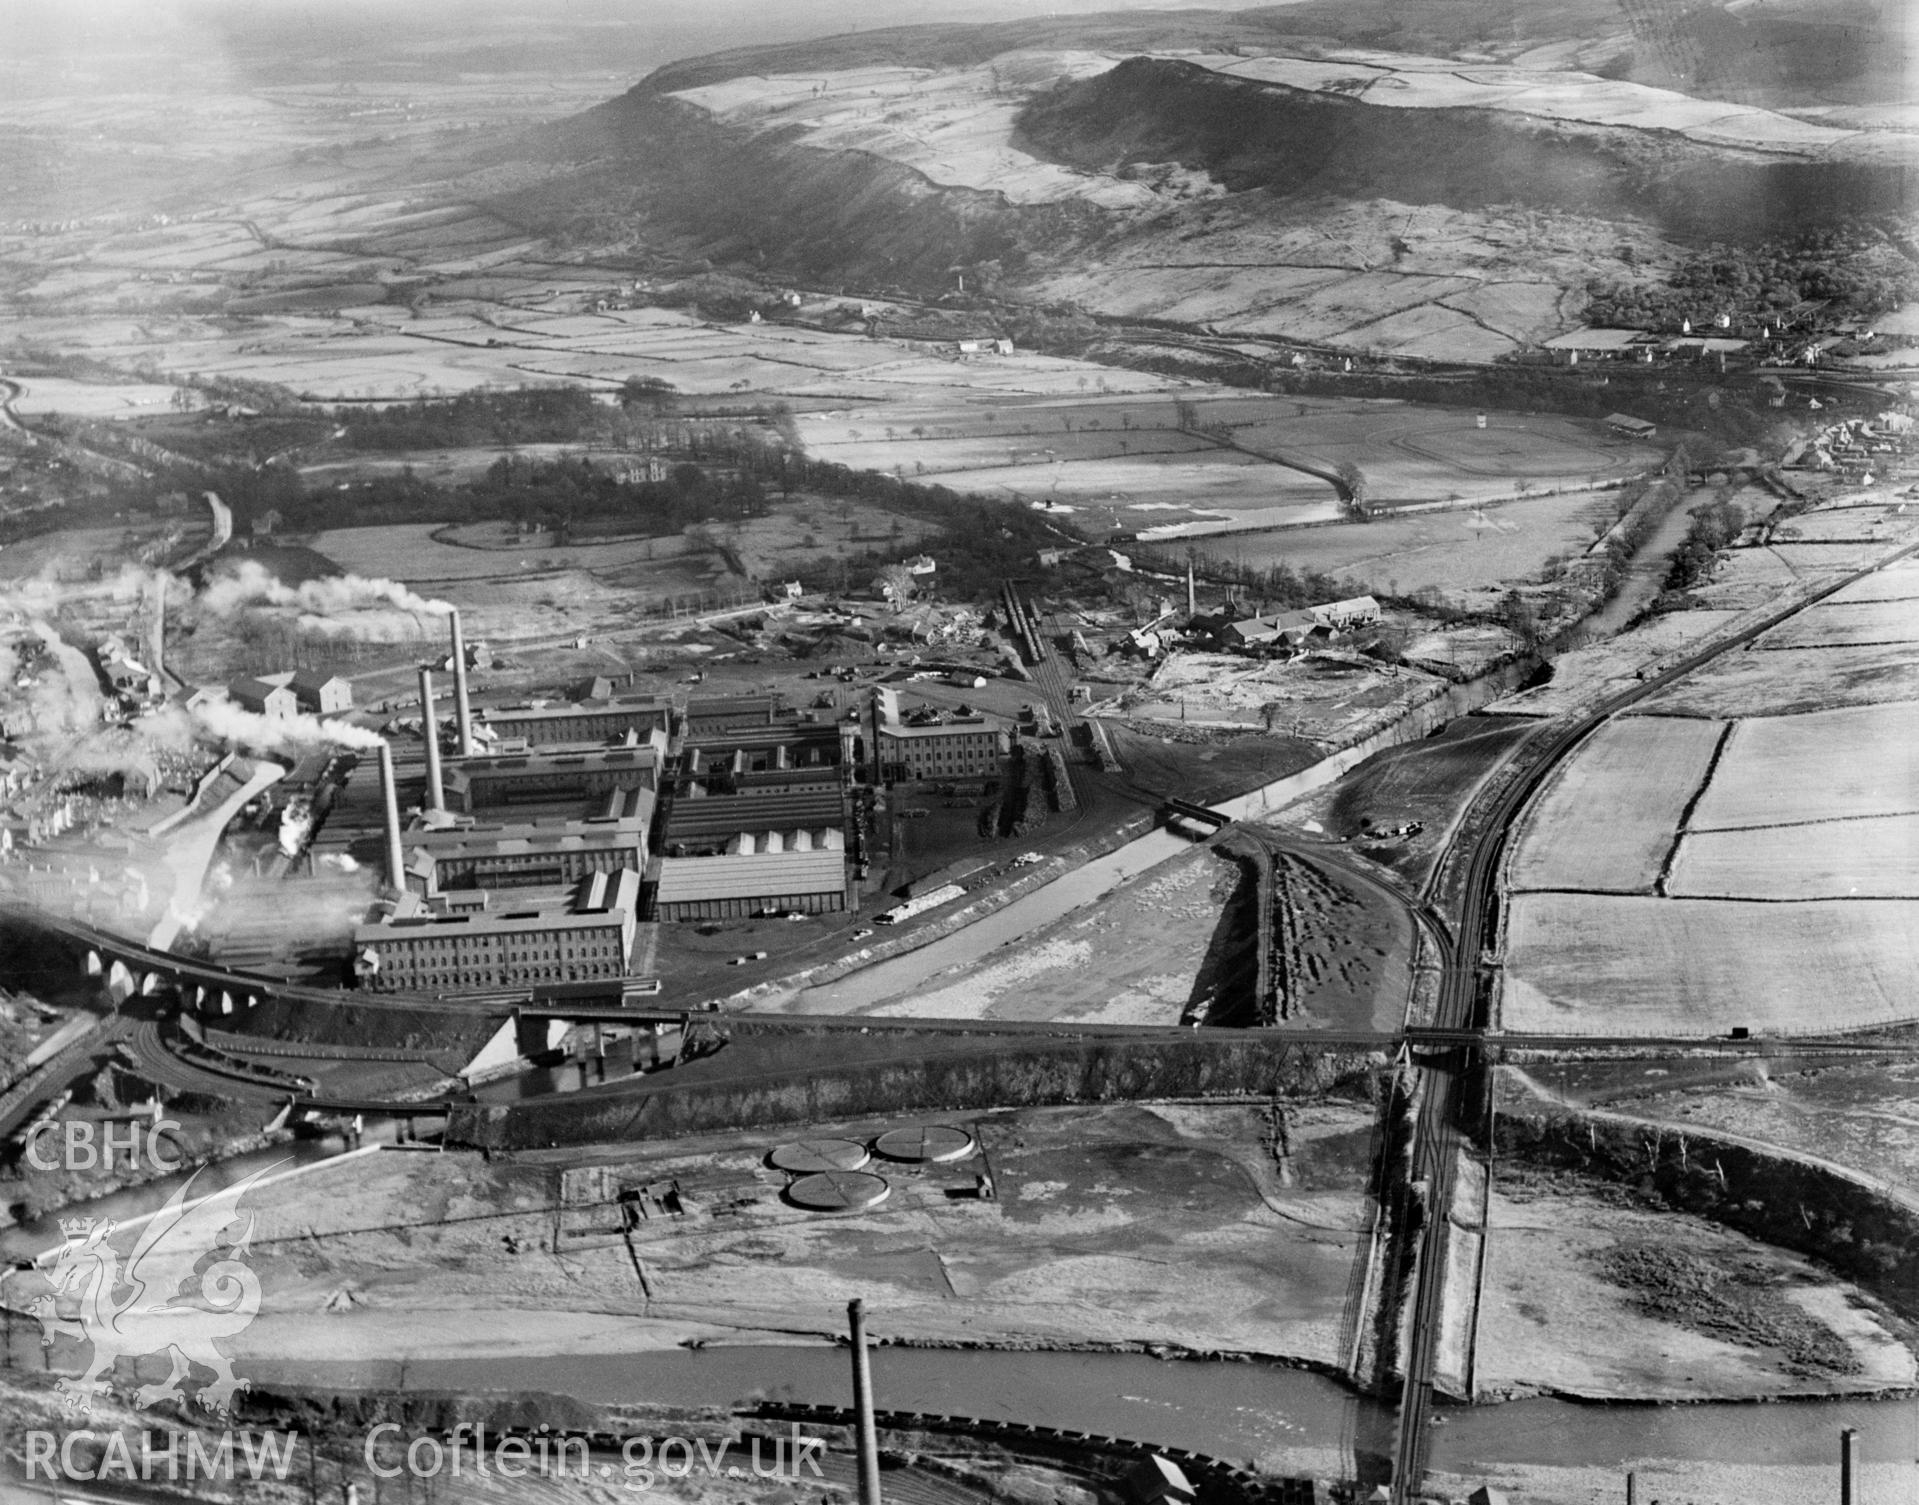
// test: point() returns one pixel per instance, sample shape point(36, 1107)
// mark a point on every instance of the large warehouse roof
point(722, 813)
point(685, 880)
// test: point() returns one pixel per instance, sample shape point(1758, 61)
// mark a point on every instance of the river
point(1235, 1411)
point(1646, 571)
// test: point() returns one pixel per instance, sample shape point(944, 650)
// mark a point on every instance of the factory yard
point(1092, 1207)
point(1329, 698)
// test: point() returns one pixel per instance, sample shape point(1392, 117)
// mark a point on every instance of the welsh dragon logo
point(132, 1310)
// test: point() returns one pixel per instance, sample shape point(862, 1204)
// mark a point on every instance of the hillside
point(1199, 169)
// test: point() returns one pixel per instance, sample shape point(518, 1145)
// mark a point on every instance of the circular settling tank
point(802, 1157)
point(924, 1144)
point(839, 1191)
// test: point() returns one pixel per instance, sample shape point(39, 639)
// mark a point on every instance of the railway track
point(1465, 1005)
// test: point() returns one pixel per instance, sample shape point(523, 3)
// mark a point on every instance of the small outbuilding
point(321, 694)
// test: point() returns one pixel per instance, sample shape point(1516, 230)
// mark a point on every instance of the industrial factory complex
point(1200, 720)
point(540, 864)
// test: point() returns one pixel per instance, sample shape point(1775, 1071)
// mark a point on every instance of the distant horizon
point(667, 30)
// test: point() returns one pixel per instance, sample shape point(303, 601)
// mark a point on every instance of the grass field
point(1789, 682)
point(1607, 818)
point(1454, 550)
point(1875, 857)
point(1745, 578)
point(1582, 672)
point(1855, 524)
point(410, 552)
point(1860, 1117)
point(1406, 82)
point(1121, 458)
point(1896, 582)
point(87, 399)
point(1809, 560)
point(1850, 622)
point(1416, 452)
point(1822, 766)
point(1606, 964)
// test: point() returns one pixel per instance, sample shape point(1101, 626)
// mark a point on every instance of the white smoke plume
point(366, 627)
point(290, 735)
point(63, 695)
point(252, 584)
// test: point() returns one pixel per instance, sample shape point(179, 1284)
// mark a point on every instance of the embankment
point(1856, 1228)
point(759, 1079)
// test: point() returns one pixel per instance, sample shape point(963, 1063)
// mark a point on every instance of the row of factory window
point(578, 972)
point(463, 949)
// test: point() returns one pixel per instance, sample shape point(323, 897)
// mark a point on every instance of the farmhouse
point(1629, 426)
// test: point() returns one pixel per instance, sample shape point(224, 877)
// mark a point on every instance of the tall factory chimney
point(430, 729)
point(1192, 596)
point(462, 710)
point(390, 795)
point(867, 1437)
point(160, 625)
